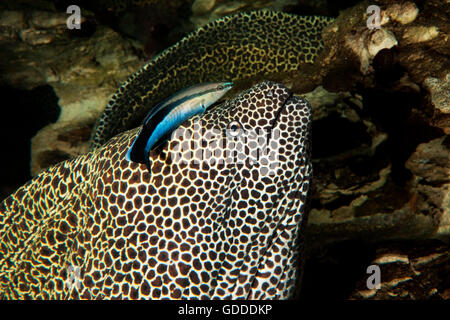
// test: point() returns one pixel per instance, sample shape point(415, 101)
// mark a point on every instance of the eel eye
point(220, 88)
point(234, 129)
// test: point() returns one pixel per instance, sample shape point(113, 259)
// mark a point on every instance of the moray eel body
point(169, 114)
point(241, 46)
point(184, 230)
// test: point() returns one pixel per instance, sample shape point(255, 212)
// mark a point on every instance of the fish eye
point(220, 87)
point(234, 129)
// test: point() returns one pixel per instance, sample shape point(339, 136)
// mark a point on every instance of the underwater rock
point(379, 40)
point(416, 34)
point(11, 22)
point(87, 70)
point(152, 26)
point(440, 93)
point(430, 162)
point(361, 195)
point(347, 205)
point(430, 191)
point(92, 69)
point(354, 195)
point(199, 19)
point(408, 271)
point(403, 12)
point(325, 103)
point(362, 42)
point(375, 212)
point(23, 36)
point(423, 53)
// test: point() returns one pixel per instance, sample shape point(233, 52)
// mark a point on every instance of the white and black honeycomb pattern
point(180, 231)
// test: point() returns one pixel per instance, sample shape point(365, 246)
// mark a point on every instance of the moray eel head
point(232, 217)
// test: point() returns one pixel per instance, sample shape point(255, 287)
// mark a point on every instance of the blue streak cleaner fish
point(169, 114)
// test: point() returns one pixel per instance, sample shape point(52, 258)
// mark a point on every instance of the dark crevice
point(370, 166)
point(392, 112)
point(341, 149)
point(335, 134)
point(446, 142)
point(387, 68)
point(23, 114)
point(392, 197)
point(334, 274)
point(87, 29)
point(354, 172)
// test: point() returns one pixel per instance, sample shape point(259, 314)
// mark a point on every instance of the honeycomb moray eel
point(245, 45)
point(185, 230)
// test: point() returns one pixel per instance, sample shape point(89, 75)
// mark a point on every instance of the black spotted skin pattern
point(182, 231)
point(241, 46)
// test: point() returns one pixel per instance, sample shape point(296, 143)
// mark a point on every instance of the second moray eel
point(236, 47)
